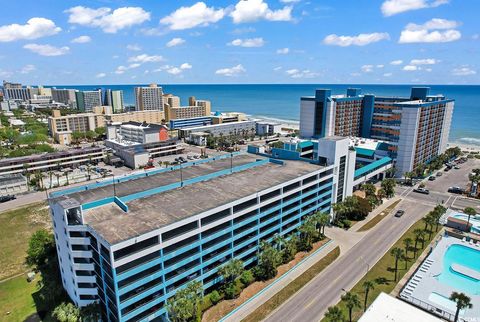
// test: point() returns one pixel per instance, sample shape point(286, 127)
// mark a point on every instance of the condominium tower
point(87, 100)
point(114, 98)
point(416, 128)
point(149, 98)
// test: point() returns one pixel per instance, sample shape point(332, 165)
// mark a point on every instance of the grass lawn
point(265, 309)
point(374, 221)
point(16, 227)
point(384, 270)
point(16, 298)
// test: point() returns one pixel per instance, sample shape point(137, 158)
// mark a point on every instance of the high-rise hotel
point(416, 128)
point(149, 98)
point(133, 243)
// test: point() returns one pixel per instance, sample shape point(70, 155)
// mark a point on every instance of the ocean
point(282, 101)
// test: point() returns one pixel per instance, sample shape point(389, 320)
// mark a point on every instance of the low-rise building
point(51, 161)
point(12, 184)
point(134, 132)
point(219, 118)
point(242, 128)
point(268, 128)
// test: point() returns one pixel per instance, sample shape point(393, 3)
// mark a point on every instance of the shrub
point(214, 297)
point(247, 278)
point(231, 291)
point(346, 223)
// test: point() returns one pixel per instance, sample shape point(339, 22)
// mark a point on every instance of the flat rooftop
point(163, 208)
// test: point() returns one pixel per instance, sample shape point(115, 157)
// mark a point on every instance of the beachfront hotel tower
point(415, 128)
point(149, 98)
point(133, 243)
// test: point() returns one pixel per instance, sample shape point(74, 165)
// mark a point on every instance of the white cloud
point(359, 40)
point(81, 40)
point(100, 75)
point(134, 47)
point(387, 75)
point(245, 30)
point(47, 50)
point(185, 66)
point(33, 29)
point(283, 51)
point(144, 58)
point(396, 62)
point(433, 31)
point(254, 10)
point(122, 69)
point(106, 19)
point(367, 68)
point(174, 71)
point(175, 42)
point(278, 68)
point(427, 61)
point(27, 69)
point(393, 7)
point(289, 1)
point(463, 71)
point(380, 66)
point(198, 15)
point(297, 73)
point(249, 42)
point(232, 71)
point(410, 68)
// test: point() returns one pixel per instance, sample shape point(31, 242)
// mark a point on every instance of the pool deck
point(423, 283)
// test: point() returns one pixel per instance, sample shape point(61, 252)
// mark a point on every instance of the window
point(135, 247)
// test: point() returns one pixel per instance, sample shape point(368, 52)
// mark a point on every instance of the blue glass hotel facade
point(133, 244)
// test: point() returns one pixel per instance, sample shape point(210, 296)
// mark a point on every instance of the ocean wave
point(469, 140)
point(268, 118)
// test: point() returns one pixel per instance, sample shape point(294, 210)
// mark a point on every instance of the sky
point(249, 41)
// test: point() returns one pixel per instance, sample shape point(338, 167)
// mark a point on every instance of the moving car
point(7, 198)
point(399, 213)
point(422, 190)
point(431, 178)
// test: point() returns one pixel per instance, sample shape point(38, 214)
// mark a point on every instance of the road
point(310, 303)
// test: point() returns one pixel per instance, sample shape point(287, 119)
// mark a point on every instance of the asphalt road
point(310, 303)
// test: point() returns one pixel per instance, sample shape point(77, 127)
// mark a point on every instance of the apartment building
point(149, 98)
point(114, 98)
point(87, 100)
point(187, 112)
point(51, 161)
point(226, 129)
point(64, 96)
point(170, 100)
point(132, 258)
point(135, 132)
point(16, 92)
point(415, 128)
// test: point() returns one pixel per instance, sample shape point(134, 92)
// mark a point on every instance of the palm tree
point(469, 211)
point(351, 301)
point(397, 254)
point(419, 235)
point(463, 302)
point(50, 174)
point(66, 176)
point(334, 314)
point(323, 220)
point(367, 286)
point(57, 175)
point(381, 194)
point(279, 241)
point(407, 242)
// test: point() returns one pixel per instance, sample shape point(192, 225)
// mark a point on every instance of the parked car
point(399, 213)
point(446, 169)
point(422, 190)
point(439, 174)
point(456, 190)
point(7, 198)
point(456, 167)
point(431, 178)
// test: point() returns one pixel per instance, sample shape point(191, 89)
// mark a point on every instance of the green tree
point(407, 242)
point(279, 241)
point(323, 221)
point(291, 248)
point(66, 312)
point(40, 247)
point(334, 314)
point(397, 254)
point(307, 234)
point(462, 301)
point(268, 260)
point(388, 185)
point(367, 286)
point(90, 312)
point(419, 236)
point(369, 189)
point(231, 270)
point(351, 301)
point(185, 305)
point(469, 211)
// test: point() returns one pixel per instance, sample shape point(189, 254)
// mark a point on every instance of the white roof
point(386, 308)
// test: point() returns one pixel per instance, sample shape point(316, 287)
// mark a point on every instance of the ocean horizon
point(281, 102)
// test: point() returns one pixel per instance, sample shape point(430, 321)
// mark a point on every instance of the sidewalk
point(263, 296)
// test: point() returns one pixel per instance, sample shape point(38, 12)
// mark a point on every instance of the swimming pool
point(474, 220)
point(466, 257)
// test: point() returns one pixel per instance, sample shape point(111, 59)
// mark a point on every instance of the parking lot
point(439, 188)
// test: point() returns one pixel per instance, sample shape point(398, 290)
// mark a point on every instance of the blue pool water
point(467, 257)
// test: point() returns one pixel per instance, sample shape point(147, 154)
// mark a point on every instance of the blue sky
point(248, 41)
